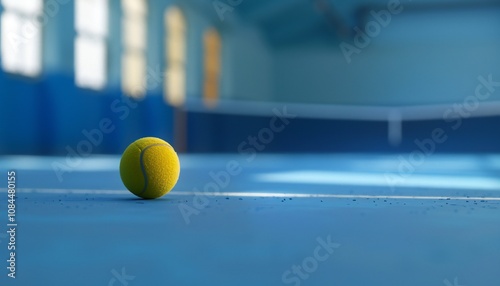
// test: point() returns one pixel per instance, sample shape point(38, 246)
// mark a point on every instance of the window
point(212, 66)
point(134, 42)
point(91, 23)
point(175, 84)
point(21, 36)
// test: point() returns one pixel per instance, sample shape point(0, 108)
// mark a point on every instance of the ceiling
point(291, 21)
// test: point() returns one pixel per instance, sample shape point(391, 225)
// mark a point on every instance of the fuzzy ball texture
point(149, 168)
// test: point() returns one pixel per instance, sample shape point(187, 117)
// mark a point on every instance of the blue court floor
point(345, 220)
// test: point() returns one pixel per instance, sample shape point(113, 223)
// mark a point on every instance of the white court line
point(285, 195)
point(259, 195)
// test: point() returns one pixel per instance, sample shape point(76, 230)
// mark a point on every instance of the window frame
point(25, 58)
point(91, 41)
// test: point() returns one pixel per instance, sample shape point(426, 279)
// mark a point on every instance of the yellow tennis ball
point(149, 168)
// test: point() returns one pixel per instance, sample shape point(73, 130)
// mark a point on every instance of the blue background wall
point(422, 57)
point(273, 51)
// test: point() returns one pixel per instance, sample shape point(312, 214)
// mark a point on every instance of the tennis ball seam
point(143, 169)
